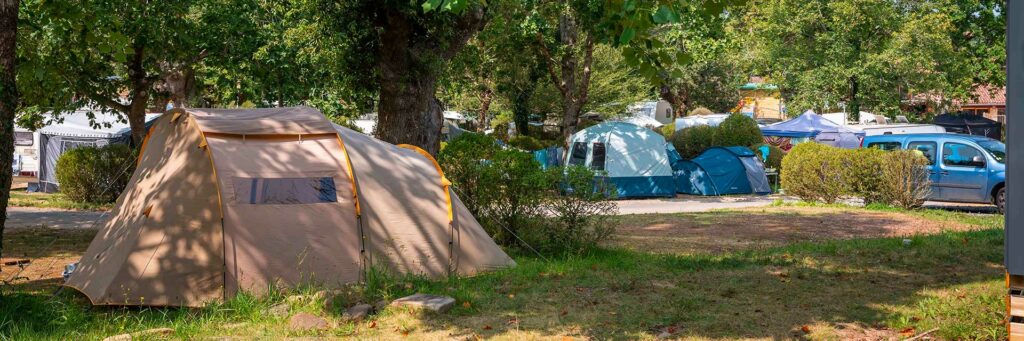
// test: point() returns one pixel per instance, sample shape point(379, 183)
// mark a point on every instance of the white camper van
point(26, 144)
point(894, 129)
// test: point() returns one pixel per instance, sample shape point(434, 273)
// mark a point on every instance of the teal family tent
point(632, 158)
point(722, 171)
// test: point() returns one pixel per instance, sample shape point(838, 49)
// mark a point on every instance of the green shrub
point(95, 175)
point(700, 111)
point(905, 181)
point(519, 204)
point(691, 141)
point(775, 156)
point(463, 160)
point(526, 143)
point(668, 130)
point(815, 172)
point(738, 130)
point(582, 214)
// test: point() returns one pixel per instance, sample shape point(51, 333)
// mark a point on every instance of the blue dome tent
point(722, 171)
point(811, 127)
point(632, 157)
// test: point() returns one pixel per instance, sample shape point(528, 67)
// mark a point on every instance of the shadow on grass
point(610, 293)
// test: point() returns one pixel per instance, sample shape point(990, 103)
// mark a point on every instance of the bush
point(738, 130)
point(95, 175)
point(463, 161)
point(518, 202)
point(775, 156)
point(582, 215)
point(692, 141)
point(700, 111)
point(814, 172)
point(905, 181)
point(526, 143)
point(667, 130)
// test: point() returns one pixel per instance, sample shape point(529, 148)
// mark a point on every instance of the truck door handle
point(944, 173)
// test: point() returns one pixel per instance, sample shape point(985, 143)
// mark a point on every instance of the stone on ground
point(307, 321)
point(279, 310)
point(435, 303)
point(357, 312)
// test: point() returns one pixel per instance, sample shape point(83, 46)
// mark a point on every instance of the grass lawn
point(690, 276)
point(21, 198)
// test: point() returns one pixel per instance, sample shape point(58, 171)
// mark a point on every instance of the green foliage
point(692, 141)
point(700, 111)
point(512, 197)
point(527, 143)
point(866, 54)
point(816, 172)
point(738, 130)
point(95, 175)
point(667, 130)
point(775, 156)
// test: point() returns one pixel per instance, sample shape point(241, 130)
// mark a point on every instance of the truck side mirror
point(978, 161)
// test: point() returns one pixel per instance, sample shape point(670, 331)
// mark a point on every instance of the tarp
point(632, 157)
point(813, 126)
point(722, 171)
point(78, 124)
point(696, 120)
point(276, 198)
point(970, 124)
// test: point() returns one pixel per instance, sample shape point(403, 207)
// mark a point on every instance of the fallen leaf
point(908, 332)
point(567, 338)
point(511, 295)
point(915, 318)
point(408, 285)
point(565, 311)
point(806, 329)
point(466, 304)
point(373, 324)
point(487, 327)
point(672, 329)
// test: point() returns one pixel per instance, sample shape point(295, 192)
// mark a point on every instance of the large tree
point(854, 54)
point(8, 103)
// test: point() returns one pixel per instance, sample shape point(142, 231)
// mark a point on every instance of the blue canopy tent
point(811, 127)
point(632, 157)
point(722, 171)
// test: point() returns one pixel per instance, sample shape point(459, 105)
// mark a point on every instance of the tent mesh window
point(66, 144)
point(597, 160)
point(284, 191)
point(579, 154)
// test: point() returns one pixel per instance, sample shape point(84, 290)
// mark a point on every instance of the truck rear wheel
point(1000, 200)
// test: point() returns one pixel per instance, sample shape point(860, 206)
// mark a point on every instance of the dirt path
point(751, 228)
point(22, 217)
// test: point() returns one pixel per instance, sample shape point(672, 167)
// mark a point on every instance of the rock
point(121, 337)
point(146, 334)
point(357, 312)
point(435, 303)
point(279, 310)
point(307, 321)
point(381, 305)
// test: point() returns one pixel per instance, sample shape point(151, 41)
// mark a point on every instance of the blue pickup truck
point(962, 168)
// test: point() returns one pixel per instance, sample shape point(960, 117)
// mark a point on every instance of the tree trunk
point(521, 110)
point(679, 99)
point(853, 108)
point(408, 61)
point(139, 94)
point(485, 105)
point(8, 103)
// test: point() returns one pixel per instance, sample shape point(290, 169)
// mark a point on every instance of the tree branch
point(583, 88)
point(550, 63)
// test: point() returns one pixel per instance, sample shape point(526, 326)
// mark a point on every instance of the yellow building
point(761, 101)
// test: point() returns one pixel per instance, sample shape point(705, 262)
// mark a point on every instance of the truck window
point(960, 155)
point(887, 146)
point(23, 138)
point(926, 148)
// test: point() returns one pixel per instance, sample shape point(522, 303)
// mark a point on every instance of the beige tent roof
point(235, 200)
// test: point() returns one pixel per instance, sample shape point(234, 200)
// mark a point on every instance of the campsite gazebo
point(810, 127)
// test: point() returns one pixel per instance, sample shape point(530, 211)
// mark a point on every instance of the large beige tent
point(233, 200)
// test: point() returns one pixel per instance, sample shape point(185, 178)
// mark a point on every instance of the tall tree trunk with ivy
point(854, 104)
point(573, 78)
point(408, 110)
point(8, 103)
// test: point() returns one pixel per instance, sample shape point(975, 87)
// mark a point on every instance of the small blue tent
point(721, 171)
point(632, 157)
point(811, 126)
